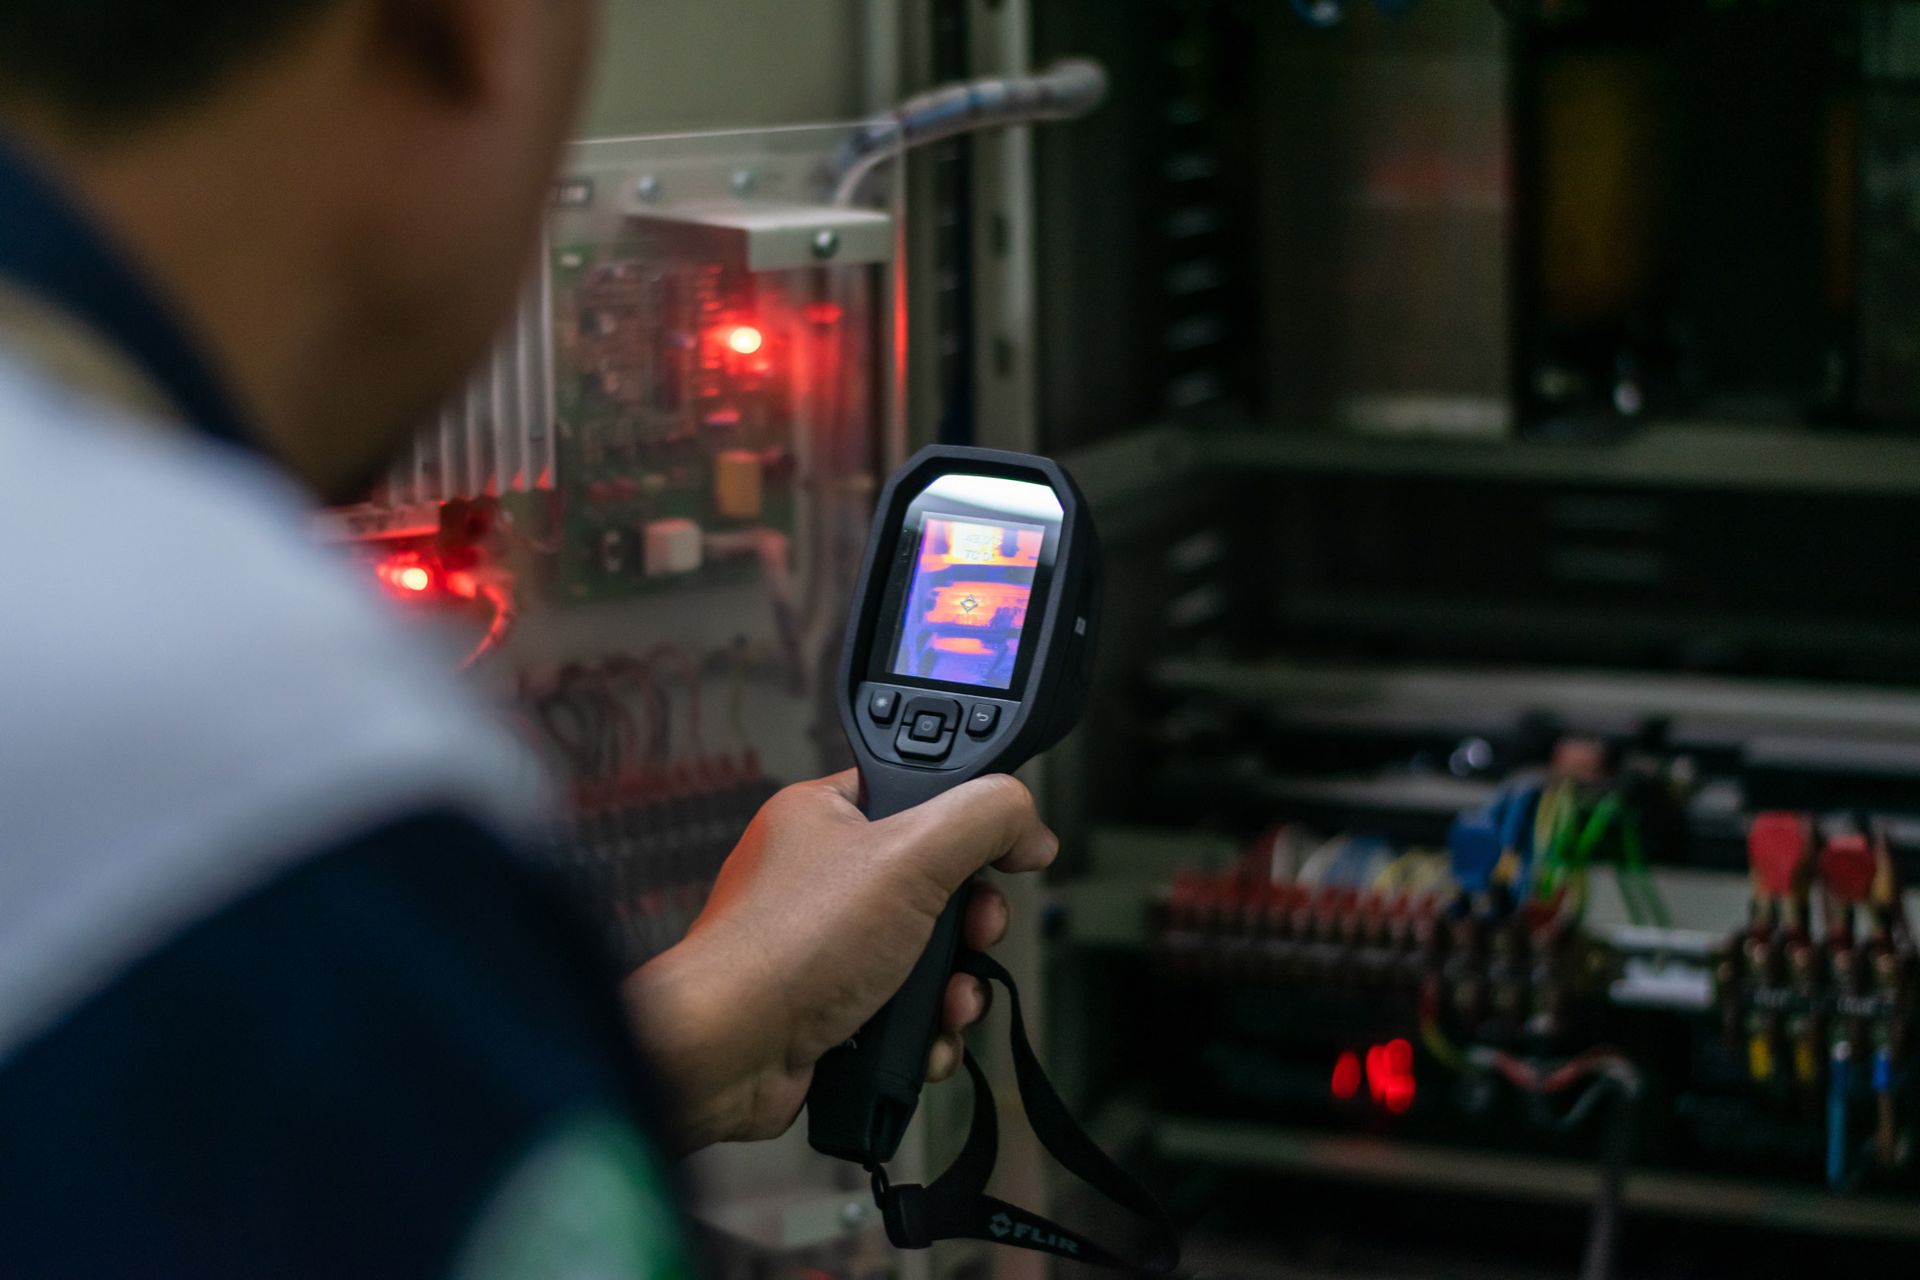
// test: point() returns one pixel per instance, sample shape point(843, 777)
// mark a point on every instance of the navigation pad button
point(928, 729)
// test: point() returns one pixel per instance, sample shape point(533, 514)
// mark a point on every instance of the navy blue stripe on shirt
point(329, 1078)
point(50, 249)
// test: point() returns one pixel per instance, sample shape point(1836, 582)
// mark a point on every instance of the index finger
point(845, 784)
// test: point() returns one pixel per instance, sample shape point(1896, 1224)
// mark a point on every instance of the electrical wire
point(1431, 1034)
point(579, 743)
point(1839, 1080)
point(690, 674)
point(1530, 1077)
point(1616, 1150)
point(1606, 817)
point(1553, 821)
point(659, 736)
point(623, 734)
point(1584, 1105)
point(1611, 1074)
point(1546, 816)
point(499, 628)
point(1635, 859)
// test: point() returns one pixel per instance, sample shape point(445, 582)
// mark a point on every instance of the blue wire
point(1516, 832)
point(1838, 1080)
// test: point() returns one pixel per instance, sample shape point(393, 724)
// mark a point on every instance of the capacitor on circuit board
point(738, 484)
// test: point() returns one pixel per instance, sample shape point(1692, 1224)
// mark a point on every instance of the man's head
point(342, 195)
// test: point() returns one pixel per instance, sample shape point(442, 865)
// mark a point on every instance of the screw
point(648, 188)
point(742, 182)
point(826, 243)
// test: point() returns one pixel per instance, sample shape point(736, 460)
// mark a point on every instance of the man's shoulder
point(163, 587)
point(194, 693)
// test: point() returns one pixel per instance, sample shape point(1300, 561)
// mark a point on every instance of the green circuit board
point(667, 373)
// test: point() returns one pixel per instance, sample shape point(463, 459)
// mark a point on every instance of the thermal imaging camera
point(968, 652)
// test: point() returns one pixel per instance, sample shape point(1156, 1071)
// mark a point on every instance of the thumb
point(988, 820)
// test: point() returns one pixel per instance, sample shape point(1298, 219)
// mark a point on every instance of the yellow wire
point(1546, 817)
point(1394, 874)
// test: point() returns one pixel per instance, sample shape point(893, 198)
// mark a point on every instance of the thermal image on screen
point(967, 603)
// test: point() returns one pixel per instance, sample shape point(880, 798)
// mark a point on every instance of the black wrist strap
point(956, 1206)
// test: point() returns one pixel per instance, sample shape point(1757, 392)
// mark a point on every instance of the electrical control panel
point(696, 379)
point(713, 338)
point(650, 500)
point(1522, 928)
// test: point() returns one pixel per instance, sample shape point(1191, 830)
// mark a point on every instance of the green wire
point(1598, 823)
point(1637, 890)
point(1571, 845)
point(1635, 913)
point(1601, 821)
point(1608, 814)
point(1636, 861)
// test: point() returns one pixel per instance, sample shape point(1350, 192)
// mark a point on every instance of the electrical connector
point(1473, 850)
point(1847, 867)
point(1886, 877)
point(1779, 847)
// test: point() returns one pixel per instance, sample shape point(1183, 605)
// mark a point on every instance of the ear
point(450, 47)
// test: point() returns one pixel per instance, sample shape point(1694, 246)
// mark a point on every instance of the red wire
point(1530, 1079)
point(503, 617)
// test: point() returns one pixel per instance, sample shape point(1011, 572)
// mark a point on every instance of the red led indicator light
point(744, 339)
point(1387, 1075)
point(1390, 1075)
point(405, 574)
point(1346, 1076)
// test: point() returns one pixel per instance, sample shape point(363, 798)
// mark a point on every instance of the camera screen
point(966, 605)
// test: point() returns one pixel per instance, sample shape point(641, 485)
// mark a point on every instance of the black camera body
point(968, 652)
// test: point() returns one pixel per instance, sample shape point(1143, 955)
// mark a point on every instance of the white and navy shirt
point(277, 997)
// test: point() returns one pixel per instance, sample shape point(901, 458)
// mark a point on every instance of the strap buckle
point(903, 1210)
point(956, 1206)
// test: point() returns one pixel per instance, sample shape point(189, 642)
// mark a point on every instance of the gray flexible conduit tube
point(1065, 91)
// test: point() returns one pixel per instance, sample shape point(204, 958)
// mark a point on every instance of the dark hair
point(107, 63)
